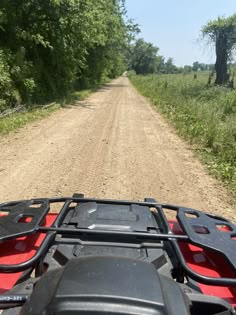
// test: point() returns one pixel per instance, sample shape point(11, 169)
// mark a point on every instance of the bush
point(8, 94)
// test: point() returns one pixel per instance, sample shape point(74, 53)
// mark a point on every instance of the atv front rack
point(24, 218)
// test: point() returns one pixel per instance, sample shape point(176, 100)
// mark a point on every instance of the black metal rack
point(200, 229)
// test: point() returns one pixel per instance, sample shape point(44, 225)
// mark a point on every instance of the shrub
point(8, 95)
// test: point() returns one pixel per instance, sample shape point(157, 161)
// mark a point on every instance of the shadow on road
point(108, 86)
point(81, 104)
point(86, 104)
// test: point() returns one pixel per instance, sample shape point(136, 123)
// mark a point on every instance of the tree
point(169, 66)
point(143, 57)
point(222, 32)
point(195, 66)
point(49, 47)
point(160, 64)
point(200, 66)
point(106, 58)
point(187, 69)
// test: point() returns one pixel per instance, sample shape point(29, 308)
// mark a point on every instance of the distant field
point(204, 115)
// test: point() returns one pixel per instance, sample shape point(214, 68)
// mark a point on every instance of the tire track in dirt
point(112, 145)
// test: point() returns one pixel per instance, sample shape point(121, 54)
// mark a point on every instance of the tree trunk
point(221, 59)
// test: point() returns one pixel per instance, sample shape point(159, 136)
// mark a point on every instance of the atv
point(78, 255)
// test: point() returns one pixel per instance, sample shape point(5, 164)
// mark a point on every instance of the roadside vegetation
point(57, 51)
point(17, 120)
point(200, 100)
point(63, 49)
point(14, 120)
point(51, 49)
point(204, 115)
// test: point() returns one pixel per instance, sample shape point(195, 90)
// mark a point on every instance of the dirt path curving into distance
point(112, 145)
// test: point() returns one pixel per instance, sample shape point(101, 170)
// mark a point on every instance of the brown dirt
point(112, 145)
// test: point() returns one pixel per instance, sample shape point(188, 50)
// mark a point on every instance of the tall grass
point(204, 115)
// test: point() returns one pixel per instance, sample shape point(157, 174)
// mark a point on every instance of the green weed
point(203, 115)
point(18, 120)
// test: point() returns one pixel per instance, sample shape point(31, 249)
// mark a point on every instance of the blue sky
point(175, 25)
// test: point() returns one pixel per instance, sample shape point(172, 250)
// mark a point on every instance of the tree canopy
point(49, 47)
point(143, 57)
point(222, 32)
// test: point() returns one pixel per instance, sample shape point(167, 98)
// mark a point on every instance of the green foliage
point(57, 45)
point(143, 57)
point(222, 33)
point(18, 120)
point(204, 115)
point(214, 28)
point(201, 66)
point(169, 66)
point(7, 89)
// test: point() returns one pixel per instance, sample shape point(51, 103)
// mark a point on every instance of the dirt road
point(112, 145)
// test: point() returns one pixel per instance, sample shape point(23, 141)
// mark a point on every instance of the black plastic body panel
point(209, 231)
point(107, 285)
point(13, 225)
point(111, 217)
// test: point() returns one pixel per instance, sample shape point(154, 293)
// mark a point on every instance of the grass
point(18, 120)
point(203, 115)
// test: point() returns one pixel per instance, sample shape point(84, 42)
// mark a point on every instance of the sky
point(175, 26)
